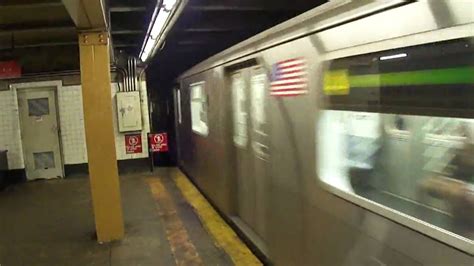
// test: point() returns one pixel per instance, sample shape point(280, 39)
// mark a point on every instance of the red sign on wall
point(159, 142)
point(133, 143)
point(9, 69)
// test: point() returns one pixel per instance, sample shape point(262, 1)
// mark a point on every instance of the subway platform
point(167, 222)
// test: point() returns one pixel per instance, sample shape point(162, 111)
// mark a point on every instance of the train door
point(250, 141)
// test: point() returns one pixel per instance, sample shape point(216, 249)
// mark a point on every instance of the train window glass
point(239, 102)
point(199, 109)
point(257, 91)
point(396, 126)
point(178, 103)
point(398, 130)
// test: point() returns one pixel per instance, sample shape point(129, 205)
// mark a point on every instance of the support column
point(100, 138)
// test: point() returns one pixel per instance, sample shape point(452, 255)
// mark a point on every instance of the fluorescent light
point(160, 22)
point(147, 50)
point(388, 57)
point(144, 56)
point(169, 4)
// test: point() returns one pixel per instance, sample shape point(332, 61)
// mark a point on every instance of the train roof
point(321, 18)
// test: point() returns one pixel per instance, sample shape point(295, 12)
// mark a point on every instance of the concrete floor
point(51, 223)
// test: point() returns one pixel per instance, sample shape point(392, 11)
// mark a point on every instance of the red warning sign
point(9, 69)
point(133, 143)
point(159, 142)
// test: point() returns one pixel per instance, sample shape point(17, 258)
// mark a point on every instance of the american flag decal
point(289, 78)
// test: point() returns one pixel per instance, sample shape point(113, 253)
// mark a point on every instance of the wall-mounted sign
point(133, 143)
point(159, 142)
point(9, 69)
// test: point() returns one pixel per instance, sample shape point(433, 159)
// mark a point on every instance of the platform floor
point(51, 223)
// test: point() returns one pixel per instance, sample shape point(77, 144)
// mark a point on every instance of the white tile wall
point(72, 126)
point(10, 138)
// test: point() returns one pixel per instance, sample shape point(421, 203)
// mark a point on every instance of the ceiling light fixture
point(164, 16)
point(388, 57)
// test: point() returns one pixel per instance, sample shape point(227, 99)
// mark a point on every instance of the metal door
point(39, 133)
point(259, 145)
point(250, 137)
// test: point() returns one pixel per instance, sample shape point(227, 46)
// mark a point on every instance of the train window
point(257, 91)
point(397, 129)
point(178, 103)
point(199, 109)
point(239, 102)
point(396, 126)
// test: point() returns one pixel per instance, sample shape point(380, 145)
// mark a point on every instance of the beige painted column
point(100, 138)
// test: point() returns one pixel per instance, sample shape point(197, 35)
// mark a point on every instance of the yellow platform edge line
point(223, 235)
point(182, 248)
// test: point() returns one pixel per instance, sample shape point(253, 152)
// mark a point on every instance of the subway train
point(344, 136)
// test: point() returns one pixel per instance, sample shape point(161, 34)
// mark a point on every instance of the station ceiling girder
point(87, 14)
point(118, 9)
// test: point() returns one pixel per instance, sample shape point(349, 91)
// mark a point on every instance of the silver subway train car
point(344, 136)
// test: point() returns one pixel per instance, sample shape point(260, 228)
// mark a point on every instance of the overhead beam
point(30, 5)
point(243, 8)
point(210, 29)
point(205, 39)
point(225, 8)
point(126, 32)
point(232, 21)
point(37, 37)
point(269, 5)
point(24, 29)
point(31, 15)
point(87, 14)
point(123, 45)
point(35, 25)
point(37, 45)
point(192, 42)
point(117, 9)
point(127, 21)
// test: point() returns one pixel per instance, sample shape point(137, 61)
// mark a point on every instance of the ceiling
point(31, 31)
point(128, 23)
point(209, 26)
point(41, 35)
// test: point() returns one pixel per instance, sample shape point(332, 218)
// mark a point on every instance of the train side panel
point(207, 159)
point(307, 223)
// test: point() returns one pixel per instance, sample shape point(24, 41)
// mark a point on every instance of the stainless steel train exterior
point(259, 132)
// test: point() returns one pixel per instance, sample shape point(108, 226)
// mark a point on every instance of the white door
point(40, 133)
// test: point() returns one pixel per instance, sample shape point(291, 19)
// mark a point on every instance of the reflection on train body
point(421, 166)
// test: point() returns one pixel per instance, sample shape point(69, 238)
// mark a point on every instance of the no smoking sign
point(159, 142)
point(133, 143)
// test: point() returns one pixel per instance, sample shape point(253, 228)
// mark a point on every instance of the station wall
point(71, 122)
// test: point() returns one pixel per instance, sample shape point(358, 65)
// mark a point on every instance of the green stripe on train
point(461, 75)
